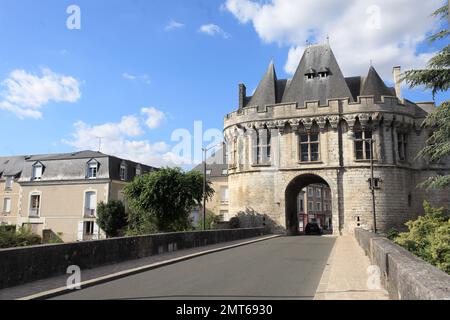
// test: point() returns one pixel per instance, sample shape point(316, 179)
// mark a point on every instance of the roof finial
point(328, 39)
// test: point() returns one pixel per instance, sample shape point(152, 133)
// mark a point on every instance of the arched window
point(38, 169)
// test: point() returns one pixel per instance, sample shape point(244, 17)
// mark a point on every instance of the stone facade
point(277, 147)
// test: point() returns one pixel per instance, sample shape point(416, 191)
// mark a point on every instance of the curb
point(122, 274)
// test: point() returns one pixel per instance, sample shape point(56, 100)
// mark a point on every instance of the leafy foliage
point(111, 217)
point(211, 220)
point(437, 78)
point(22, 238)
point(429, 237)
point(163, 200)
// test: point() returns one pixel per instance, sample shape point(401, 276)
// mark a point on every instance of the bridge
point(236, 264)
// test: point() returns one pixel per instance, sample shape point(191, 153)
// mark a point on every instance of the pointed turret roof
point(373, 85)
point(301, 89)
point(266, 92)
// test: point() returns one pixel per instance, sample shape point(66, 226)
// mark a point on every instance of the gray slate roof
point(373, 85)
point(266, 91)
point(11, 166)
point(217, 167)
point(317, 58)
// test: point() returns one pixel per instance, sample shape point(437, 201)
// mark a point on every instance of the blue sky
point(131, 55)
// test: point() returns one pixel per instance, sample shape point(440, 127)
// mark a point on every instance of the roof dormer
point(324, 72)
point(310, 73)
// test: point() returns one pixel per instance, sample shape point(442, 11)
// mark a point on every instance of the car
point(313, 228)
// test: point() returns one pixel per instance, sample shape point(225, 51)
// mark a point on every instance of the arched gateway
point(297, 185)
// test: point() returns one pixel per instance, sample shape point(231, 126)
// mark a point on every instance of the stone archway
point(292, 190)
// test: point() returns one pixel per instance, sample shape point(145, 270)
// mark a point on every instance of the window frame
point(402, 146)
point(85, 209)
point(5, 201)
point(365, 144)
point(92, 165)
point(30, 206)
point(123, 168)
point(263, 148)
point(309, 143)
point(9, 181)
point(34, 171)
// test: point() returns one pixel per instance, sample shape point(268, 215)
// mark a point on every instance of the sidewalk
point(346, 274)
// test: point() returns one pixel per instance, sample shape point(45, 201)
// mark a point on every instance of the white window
point(208, 172)
point(319, 206)
point(92, 170)
point(318, 193)
point(224, 194)
point(35, 205)
point(138, 170)
point(224, 172)
point(310, 206)
point(7, 205)
point(123, 172)
point(9, 183)
point(90, 204)
point(88, 230)
point(222, 215)
point(37, 171)
point(310, 192)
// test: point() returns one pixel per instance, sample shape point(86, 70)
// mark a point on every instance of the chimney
point(242, 95)
point(398, 83)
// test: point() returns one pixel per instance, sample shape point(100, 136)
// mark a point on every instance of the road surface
point(280, 268)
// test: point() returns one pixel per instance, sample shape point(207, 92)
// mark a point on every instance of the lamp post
point(205, 150)
point(372, 183)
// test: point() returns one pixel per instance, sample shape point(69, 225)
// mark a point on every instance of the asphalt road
point(281, 268)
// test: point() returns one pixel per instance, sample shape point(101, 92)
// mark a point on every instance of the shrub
point(392, 234)
point(22, 238)
point(235, 223)
point(429, 237)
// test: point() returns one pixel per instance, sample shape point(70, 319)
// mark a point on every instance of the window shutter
point(96, 234)
point(80, 231)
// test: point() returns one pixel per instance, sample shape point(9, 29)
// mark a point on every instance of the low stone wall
point(23, 265)
point(403, 275)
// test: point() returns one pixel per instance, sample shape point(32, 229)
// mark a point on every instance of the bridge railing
point(22, 265)
point(403, 275)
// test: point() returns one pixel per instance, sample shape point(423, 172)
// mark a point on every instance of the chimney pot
point(398, 83)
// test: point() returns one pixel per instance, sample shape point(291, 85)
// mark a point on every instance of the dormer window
point(92, 171)
point(138, 170)
point(37, 171)
point(123, 171)
point(324, 72)
point(310, 73)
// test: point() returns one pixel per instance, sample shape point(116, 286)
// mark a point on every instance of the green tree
point(111, 217)
point(437, 78)
point(164, 199)
point(429, 237)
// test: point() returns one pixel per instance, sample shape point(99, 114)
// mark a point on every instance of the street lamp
point(372, 179)
point(205, 150)
point(372, 183)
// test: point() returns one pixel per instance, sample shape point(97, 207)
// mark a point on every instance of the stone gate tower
point(318, 127)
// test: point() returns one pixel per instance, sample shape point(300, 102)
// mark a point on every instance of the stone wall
point(403, 275)
point(23, 265)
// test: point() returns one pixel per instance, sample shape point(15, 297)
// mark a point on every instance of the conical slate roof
point(266, 92)
point(301, 89)
point(373, 85)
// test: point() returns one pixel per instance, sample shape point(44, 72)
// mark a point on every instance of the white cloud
point(386, 32)
point(122, 140)
point(213, 30)
point(154, 117)
point(174, 25)
point(24, 94)
point(145, 78)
